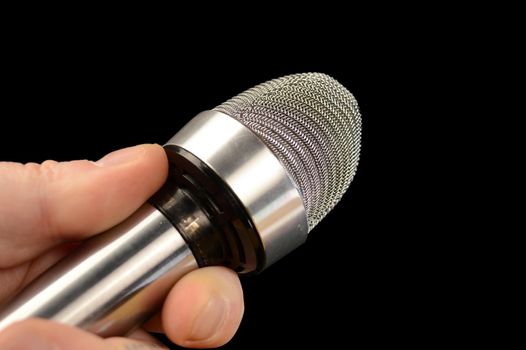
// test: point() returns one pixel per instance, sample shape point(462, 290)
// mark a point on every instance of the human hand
point(45, 210)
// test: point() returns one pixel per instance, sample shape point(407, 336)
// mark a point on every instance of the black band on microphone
point(208, 214)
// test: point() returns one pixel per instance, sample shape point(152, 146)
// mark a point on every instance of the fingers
point(40, 334)
point(43, 205)
point(47, 335)
point(11, 280)
point(204, 309)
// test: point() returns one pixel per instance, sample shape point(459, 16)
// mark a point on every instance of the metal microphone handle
point(114, 282)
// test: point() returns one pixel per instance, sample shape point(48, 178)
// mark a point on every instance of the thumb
point(42, 205)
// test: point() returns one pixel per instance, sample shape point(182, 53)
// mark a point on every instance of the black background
point(363, 275)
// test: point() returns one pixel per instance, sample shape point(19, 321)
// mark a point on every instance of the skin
point(46, 209)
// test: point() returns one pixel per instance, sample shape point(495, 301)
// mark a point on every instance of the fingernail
point(122, 156)
point(210, 319)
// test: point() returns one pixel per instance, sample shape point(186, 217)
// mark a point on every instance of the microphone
point(247, 182)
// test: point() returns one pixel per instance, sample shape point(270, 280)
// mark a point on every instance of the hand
point(46, 209)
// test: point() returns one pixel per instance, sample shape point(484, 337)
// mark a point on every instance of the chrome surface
point(287, 148)
point(113, 282)
point(254, 174)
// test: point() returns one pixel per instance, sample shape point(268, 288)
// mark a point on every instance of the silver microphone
point(248, 181)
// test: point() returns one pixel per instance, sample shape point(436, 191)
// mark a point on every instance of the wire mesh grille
point(313, 125)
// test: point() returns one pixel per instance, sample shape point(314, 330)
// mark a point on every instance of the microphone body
point(247, 182)
point(209, 212)
point(113, 282)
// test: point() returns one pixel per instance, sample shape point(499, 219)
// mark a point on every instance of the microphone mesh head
point(312, 124)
